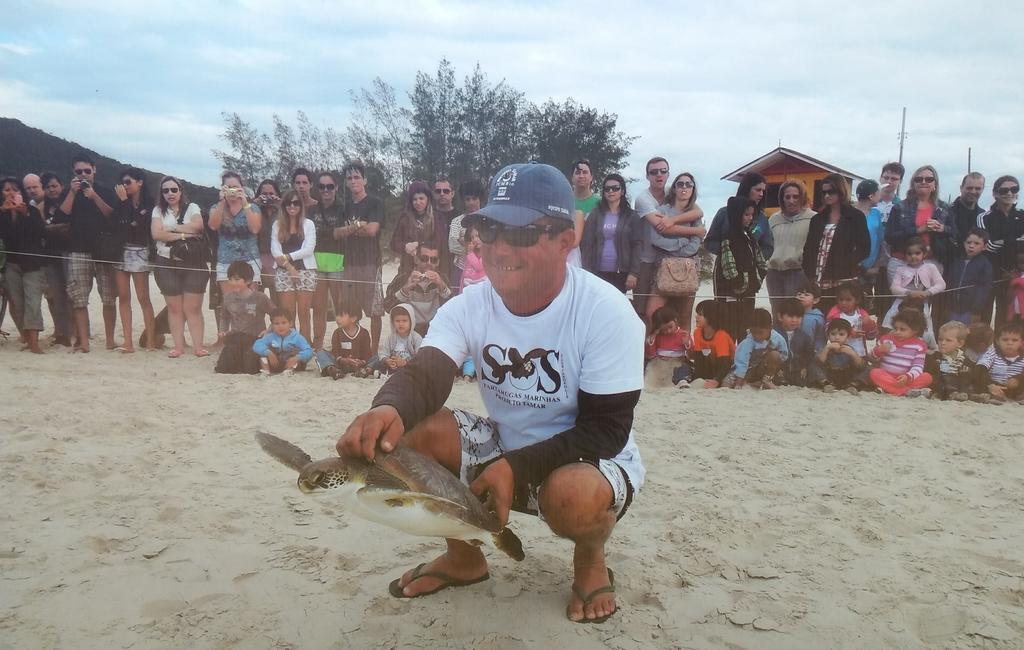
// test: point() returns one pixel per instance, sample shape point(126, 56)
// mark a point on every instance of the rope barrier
point(635, 295)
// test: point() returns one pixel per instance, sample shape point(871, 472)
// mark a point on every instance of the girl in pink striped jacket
point(900, 355)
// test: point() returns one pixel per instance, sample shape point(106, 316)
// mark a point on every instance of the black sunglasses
point(924, 179)
point(327, 186)
point(828, 192)
point(684, 185)
point(612, 188)
point(517, 237)
point(430, 259)
point(1007, 190)
point(442, 190)
point(169, 190)
point(657, 172)
point(294, 203)
point(83, 172)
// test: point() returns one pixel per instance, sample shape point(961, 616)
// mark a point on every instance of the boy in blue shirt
point(759, 356)
point(813, 323)
point(801, 347)
point(282, 349)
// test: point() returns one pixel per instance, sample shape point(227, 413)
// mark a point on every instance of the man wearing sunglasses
point(560, 359)
point(423, 288)
point(444, 195)
point(1004, 223)
point(646, 205)
point(87, 206)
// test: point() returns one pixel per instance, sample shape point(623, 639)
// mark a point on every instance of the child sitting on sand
point(849, 296)
point(350, 344)
point(399, 347)
point(801, 347)
point(838, 366)
point(282, 349)
point(713, 349)
point(244, 320)
point(949, 365)
point(900, 355)
point(667, 345)
point(1001, 369)
point(759, 356)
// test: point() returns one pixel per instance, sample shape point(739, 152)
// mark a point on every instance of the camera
point(83, 185)
point(264, 199)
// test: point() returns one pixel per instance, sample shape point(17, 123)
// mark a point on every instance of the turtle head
point(326, 474)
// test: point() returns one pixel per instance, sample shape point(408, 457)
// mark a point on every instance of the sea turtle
point(403, 489)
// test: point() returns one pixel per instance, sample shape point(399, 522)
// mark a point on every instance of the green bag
point(329, 262)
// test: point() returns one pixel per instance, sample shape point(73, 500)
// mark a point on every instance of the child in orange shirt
point(713, 349)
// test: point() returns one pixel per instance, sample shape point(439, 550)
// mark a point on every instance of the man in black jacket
point(559, 357)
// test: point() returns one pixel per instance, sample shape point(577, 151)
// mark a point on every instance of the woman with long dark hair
point(21, 231)
point(740, 267)
point(268, 198)
point(293, 245)
point(837, 240)
point(328, 216)
point(417, 224)
point(182, 282)
point(134, 215)
point(56, 233)
point(1004, 222)
point(611, 234)
point(752, 186)
point(676, 237)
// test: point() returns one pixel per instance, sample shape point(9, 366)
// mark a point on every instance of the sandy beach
point(138, 512)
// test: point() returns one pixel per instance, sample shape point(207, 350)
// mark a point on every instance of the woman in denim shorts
point(134, 214)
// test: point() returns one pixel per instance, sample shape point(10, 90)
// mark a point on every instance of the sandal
point(588, 598)
point(174, 354)
point(202, 352)
point(395, 588)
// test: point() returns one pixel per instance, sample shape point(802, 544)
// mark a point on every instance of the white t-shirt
point(532, 367)
point(644, 204)
point(170, 220)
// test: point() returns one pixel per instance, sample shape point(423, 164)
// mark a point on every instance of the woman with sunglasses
point(328, 215)
point(21, 234)
point(611, 234)
point(293, 245)
point(417, 224)
point(268, 198)
point(1004, 223)
point(182, 283)
point(837, 240)
point(922, 214)
point(57, 230)
point(134, 214)
point(678, 231)
point(237, 224)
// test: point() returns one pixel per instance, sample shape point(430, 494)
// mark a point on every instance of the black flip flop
point(395, 589)
point(586, 599)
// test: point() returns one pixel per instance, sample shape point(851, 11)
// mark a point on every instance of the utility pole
point(968, 160)
point(903, 133)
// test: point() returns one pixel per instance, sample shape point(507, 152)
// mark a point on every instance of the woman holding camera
point(21, 231)
point(237, 224)
point(181, 277)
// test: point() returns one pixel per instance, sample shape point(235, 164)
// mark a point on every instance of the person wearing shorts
point(559, 358)
point(364, 215)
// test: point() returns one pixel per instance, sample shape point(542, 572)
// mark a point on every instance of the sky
point(709, 86)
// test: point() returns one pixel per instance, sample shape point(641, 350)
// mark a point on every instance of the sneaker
point(919, 392)
point(264, 372)
point(682, 383)
point(767, 383)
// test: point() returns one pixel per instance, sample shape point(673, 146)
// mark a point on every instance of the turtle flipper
point(507, 542)
point(283, 451)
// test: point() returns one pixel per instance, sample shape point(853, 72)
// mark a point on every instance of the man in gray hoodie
point(789, 229)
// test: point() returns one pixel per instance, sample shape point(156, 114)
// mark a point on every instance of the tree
point(434, 122)
point(379, 134)
point(250, 150)
point(563, 133)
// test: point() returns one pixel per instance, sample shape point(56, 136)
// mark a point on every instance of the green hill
point(25, 150)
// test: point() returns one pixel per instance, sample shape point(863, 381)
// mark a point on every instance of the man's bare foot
point(467, 567)
point(586, 580)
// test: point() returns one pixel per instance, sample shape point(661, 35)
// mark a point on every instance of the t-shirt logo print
point(534, 370)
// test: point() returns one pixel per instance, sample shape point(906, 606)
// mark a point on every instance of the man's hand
point(360, 438)
point(630, 282)
point(497, 482)
point(88, 192)
point(435, 277)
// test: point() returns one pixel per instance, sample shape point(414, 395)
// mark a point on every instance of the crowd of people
point(868, 290)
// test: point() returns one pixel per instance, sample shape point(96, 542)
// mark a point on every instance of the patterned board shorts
point(135, 259)
point(80, 270)
point(481, 446)
point(306, 281)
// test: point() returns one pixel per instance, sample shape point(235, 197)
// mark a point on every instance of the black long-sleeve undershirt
point(603, 422)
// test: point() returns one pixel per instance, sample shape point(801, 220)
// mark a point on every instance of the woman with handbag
point(610, 234)
point(678, 232)
point(740, 267)
point(181, 269)
point(292, 243)
point(134, 215)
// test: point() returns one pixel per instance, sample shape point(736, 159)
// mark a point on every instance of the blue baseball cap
point(521, 194)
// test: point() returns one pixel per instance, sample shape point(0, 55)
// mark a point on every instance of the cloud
point(15, 48)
